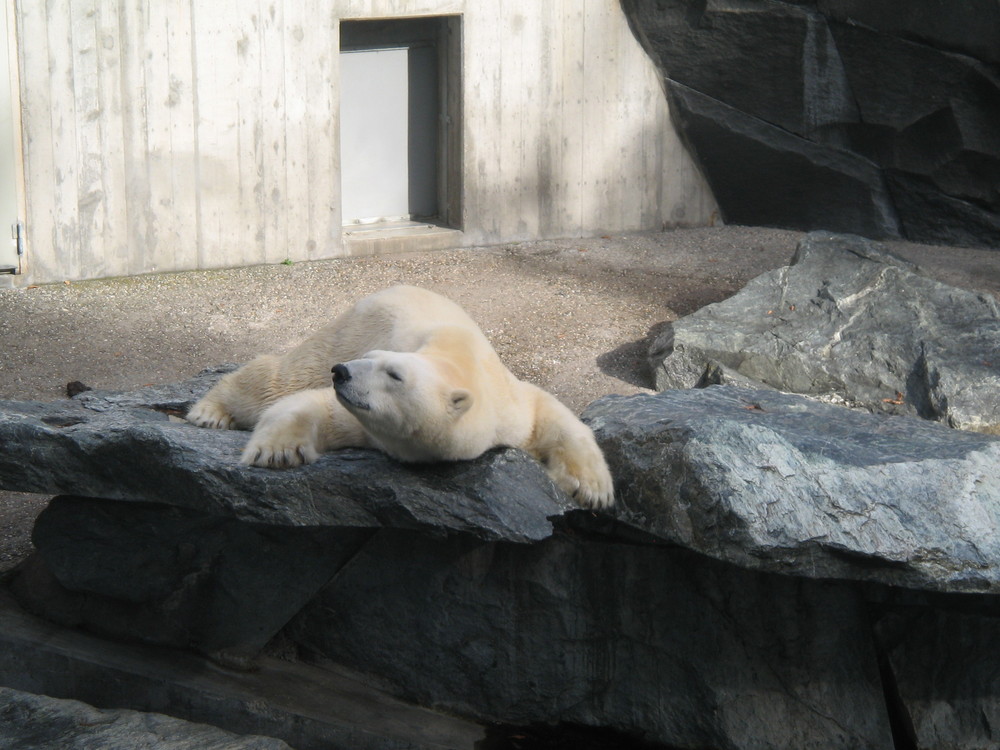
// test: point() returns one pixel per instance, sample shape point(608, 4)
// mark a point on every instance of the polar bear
point(413, 376)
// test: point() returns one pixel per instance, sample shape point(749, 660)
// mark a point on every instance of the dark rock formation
point(477, 589)
point(36, 722)
point(971, 28)
point(941, 668)
point(765, 169)
point(170, 576)
point(848, 115)
point(850, 322)
point(655, 642)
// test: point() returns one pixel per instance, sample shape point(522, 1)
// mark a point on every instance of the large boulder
point(744, 480)
point(162, 535)
point(847, 321)
point(862, 87)
point(759, 172)
point(773, 481)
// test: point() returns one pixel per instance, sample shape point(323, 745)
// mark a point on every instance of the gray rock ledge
point(408, 575)
point(782, 483)
point(131, 446)
point(37, 722)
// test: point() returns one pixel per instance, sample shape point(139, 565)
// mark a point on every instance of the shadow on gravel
point(630, 362)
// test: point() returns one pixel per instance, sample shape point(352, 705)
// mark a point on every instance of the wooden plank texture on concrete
point(178, 135)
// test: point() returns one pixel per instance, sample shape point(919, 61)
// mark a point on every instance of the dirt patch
point(573, 316)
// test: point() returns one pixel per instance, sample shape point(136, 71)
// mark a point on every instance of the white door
point(8, 172)
point(388, 133)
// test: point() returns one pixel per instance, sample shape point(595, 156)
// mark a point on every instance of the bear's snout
point(340, 374)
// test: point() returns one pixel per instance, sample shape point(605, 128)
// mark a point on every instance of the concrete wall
point(176, 134)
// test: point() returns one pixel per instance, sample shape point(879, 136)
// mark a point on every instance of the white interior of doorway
point(388, 127)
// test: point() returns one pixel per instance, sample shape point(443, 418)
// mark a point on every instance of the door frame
point(445, 32)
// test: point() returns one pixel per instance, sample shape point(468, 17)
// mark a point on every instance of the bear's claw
point(206, 414)
point(587, 498)
point(276, 456)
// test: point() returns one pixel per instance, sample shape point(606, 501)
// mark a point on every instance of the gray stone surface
point(168, 539)
point(37, 722)
point(652, 641)
point(763, 632)
point(132, 447)
point(170, 576)
point(848, 321)
point(818, 186)
point(778, 482)
point(309, 708)
point(944, 668)
point(786, 103)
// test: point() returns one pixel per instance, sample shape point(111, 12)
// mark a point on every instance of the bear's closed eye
point(394, 375)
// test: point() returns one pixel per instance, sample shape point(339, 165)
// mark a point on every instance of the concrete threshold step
point(307, 707)
point(399, 237)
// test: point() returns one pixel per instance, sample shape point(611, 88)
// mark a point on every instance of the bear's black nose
point(340, 374)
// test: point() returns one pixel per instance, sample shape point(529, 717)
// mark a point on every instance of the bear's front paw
point(285, 436)
point(271, 453)
point(209, 414)
point(588, 481)
point(290, 432)
point(595, 492)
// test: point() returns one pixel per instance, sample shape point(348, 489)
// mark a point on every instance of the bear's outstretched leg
point(295, 429)
point(239, 398)
point(570, 453)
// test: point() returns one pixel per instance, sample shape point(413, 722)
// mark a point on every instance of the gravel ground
point(573, 316)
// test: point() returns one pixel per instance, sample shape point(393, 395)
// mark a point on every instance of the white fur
point(422, 383)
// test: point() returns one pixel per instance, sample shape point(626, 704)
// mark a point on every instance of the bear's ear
point(459, 402)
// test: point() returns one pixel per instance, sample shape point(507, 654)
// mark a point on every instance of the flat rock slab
point(782, 483)
point(850, 322)
point(37, 722)
point(132, 446)
point(306, 707)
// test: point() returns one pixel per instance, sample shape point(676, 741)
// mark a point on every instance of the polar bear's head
point(409, 402)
